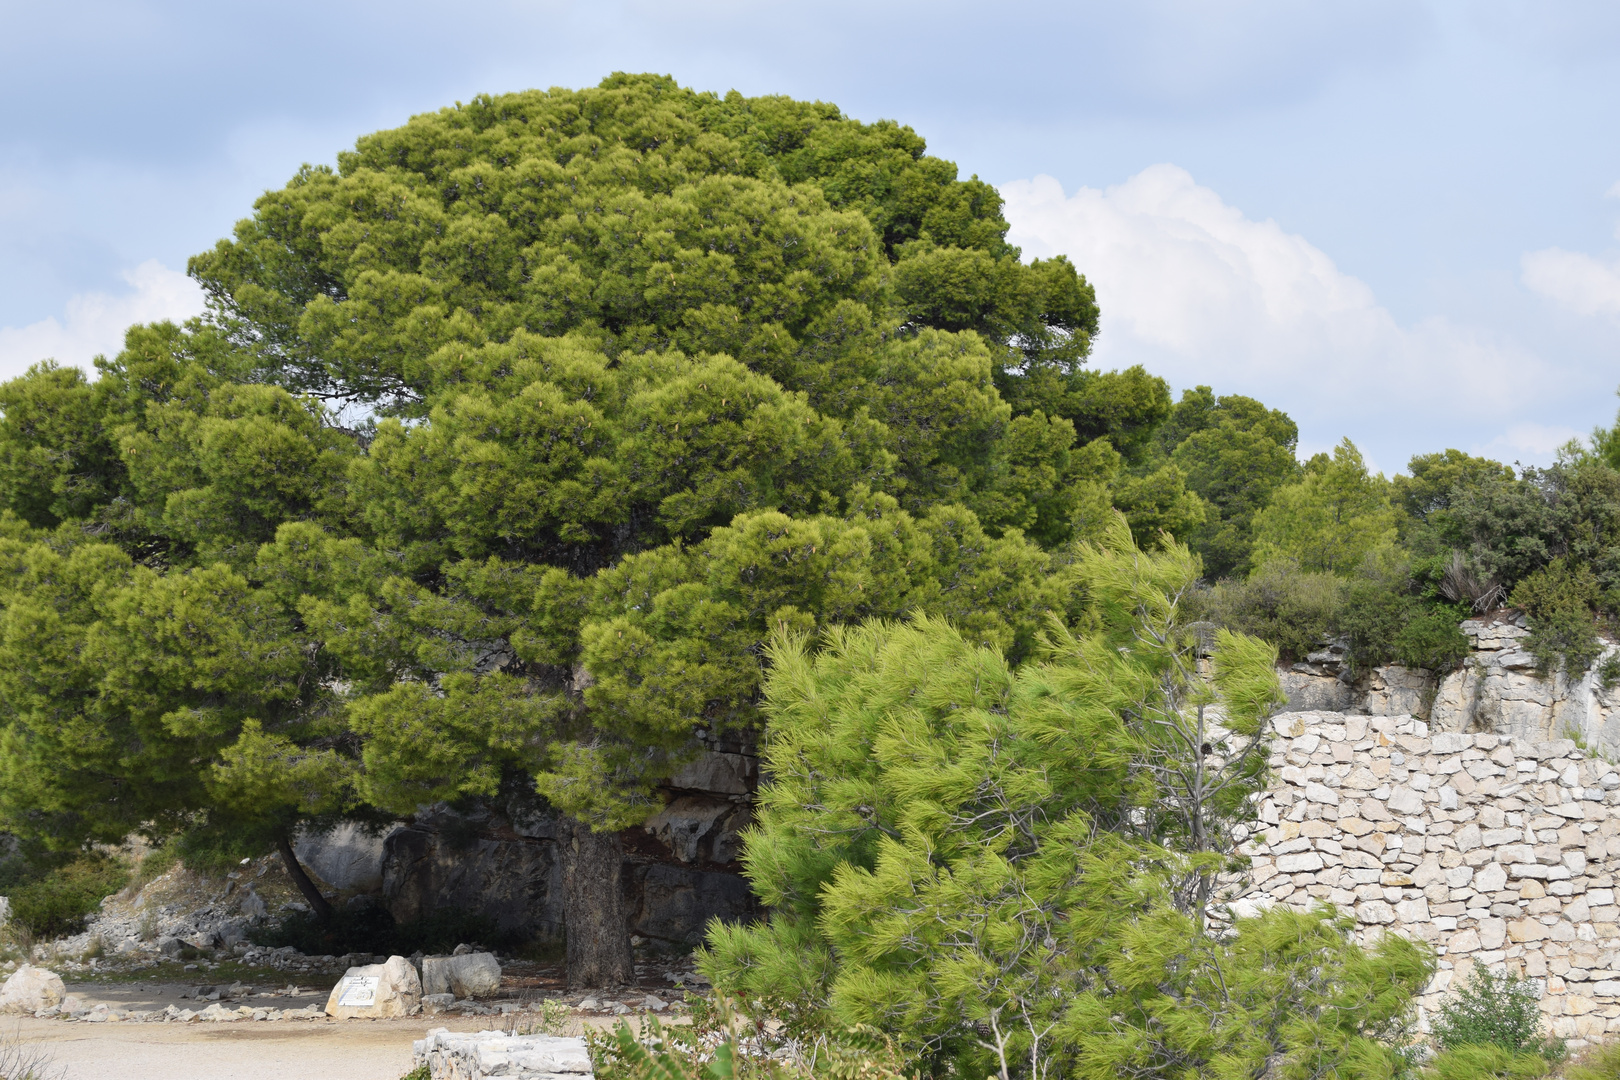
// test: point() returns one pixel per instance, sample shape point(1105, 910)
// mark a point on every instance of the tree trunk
point(317, 902)
point(593, 909)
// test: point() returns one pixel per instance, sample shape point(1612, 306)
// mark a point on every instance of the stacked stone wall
point(1495, 850)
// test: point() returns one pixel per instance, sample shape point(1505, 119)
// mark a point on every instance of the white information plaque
point(359, 990)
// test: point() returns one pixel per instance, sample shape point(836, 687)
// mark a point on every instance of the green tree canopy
point(1235, 453)
point(1332, 519)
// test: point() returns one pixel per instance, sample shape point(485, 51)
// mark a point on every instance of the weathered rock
point(30, 989)
point(376, 990)
point(477, 1055)
point(468, 975)
point(348, 857)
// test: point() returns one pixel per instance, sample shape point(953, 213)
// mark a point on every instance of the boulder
point(348, 857)
point(473, 974)
point(30, 989)
point(375, 991)
point(467, 1055)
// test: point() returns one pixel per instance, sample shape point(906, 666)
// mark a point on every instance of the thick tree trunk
point(323, 910)
point(598, 937)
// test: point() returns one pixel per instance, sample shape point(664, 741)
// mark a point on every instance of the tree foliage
point(1008, 869)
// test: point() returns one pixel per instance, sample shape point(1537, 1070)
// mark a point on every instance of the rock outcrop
point(1497, 689)
point(500, 859)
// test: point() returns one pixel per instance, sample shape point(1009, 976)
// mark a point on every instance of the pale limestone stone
point(1318, 793)
point(1463, 941)
point(1492, 933)
point(1375, 911)
point(1304, 862)
point(1491, 878)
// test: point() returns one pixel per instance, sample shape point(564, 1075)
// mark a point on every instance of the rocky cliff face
point(499, 858)
point(1496, 690)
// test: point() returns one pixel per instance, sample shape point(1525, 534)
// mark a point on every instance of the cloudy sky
point(1395, 220)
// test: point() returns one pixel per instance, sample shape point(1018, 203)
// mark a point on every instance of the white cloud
point(94, 323)
point(1199, 293)
point(1570, 279)
point(1529, 443)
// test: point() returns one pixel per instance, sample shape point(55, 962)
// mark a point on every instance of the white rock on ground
point(466, 976)
point(375, 991)
point(463, 1055)
point(31, 989)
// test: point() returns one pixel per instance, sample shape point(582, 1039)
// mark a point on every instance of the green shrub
point(1431, 639)
point(57, 903)
point(418, 1073)
point(1559, 599)
point(1291, 608)
point(1609, 672)
point(216, 851)
point(1486, 1062)
point(1498, 1012)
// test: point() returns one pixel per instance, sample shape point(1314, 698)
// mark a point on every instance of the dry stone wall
point(1496, 850)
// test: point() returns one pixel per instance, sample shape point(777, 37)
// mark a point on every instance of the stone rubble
point(477, 1055)
point(1496, 850)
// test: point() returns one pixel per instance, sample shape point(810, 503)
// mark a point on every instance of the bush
point(1485, 1062)
point(1499, 1012)
point(1291, 608)
point(57, 903)
point(1559, 599)
point(1431, 639)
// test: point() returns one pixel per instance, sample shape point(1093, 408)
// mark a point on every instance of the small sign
point(359, 990)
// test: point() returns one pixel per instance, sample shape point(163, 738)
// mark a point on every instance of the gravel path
point(375, 1050)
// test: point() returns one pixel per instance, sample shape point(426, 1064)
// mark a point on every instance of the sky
point(1397, 221)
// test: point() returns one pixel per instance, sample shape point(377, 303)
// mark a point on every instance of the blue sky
point(1397, 221)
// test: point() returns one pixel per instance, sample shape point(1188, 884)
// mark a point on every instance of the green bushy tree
point(648, 372)
point(1332, 519)
point(1235, 453)
point(1008, 869)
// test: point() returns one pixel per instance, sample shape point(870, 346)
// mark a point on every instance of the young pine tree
point(1011, 870)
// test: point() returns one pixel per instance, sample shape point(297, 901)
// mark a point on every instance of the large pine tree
point(505, 444)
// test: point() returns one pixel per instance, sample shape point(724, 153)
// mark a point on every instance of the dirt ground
point(244, 1050)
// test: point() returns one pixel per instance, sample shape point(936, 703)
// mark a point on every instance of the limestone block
point(1450, 742)
point(469, 975)
point(1469, 837)
point(1361, 779)
point(1375, 911)
point(376, 990)
point(1403, 800)
point(1302, 863)
point(1463, 941)
point(1492, 933)
point(1428, 873)
point(1412, 911)
point(30, 989)
point(1522, 930)
point(1317, 793)
point(477, 1055)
